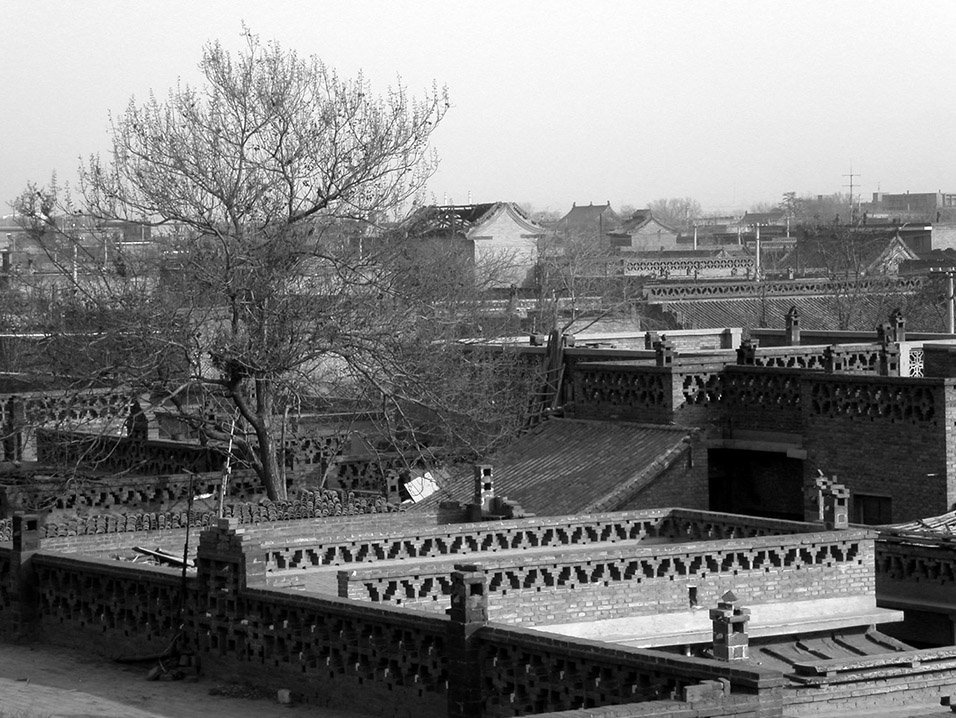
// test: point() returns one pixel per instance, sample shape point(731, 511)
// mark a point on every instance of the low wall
point(39, 491)
point(123, 453)
point(291, 550)
point(310, 505)
point(916, 570)
point(342, 653)
point(527, 673)
point(568, 585)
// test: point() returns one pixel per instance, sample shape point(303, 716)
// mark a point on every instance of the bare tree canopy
point(676, 212)
point(269, 278)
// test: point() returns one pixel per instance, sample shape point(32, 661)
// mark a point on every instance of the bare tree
point(269, 280)
point(856, 261)
point(676, 212)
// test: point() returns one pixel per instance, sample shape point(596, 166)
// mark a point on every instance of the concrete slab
point(694, 626)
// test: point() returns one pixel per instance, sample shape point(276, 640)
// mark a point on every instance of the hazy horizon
point(731, 103)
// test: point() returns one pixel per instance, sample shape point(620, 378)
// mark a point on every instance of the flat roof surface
point(694, 625)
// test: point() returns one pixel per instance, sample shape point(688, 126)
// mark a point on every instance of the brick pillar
point(227, 561)
point(731, 642)
point(831, 360)
point(665, 352)
point(890, 360)
point(884, 332)
point(836, 507)
point(793, 327)
point(483, 497)
point(468, 613)
point(898, 325)
point(747, 352)
point(23, 582)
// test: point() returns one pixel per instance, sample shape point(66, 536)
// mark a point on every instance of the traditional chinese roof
point(567, 466)
point(936, 260)
point(859, 254)
point(639, 219)
point(587, 216)
point(465, 220)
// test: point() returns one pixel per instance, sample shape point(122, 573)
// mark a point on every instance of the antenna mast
point(850, 185)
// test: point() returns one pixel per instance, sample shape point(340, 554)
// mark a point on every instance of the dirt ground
point(40, 681)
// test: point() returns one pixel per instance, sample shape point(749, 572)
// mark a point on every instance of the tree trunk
point(265, 460)
point(270, 474)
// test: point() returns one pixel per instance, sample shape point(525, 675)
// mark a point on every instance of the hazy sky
point(552, 102)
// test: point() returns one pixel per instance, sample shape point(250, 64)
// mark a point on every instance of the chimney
point(731, 642)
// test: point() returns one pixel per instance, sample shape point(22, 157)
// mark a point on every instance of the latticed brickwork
point(716, 267)
point(123, 493)
point(131, 608)
point(860, 428)
point(339, 652)
point(525, 674)
point(634, 580)
point(562, 531)
point(606, 390)
point(780, 288)
point(112, 453)
point(309, 505)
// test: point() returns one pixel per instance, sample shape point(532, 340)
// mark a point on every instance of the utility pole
point(850, 185)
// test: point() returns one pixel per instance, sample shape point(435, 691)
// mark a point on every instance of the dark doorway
point(756, 483)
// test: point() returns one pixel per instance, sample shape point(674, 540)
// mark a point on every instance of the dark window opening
point(868, 509)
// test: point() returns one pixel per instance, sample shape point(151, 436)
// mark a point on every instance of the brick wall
point(578, 582)
point(300, 547)
point(886, 437)
point(862, 429)
point(339, 653)
point(939, 360)
point(683, 483)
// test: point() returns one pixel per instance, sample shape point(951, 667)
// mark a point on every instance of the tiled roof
point(761, 217)
point(636, 220)
point(936, 259)
point(567, 466)
point(435, 219)
point(944, 525)
point(839, 253)
point(590, 214)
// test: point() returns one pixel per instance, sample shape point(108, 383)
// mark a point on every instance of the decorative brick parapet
point(631, 580)
point(334, 651)
point(124, 493)
point(778, 288)
point(331, 652)
point(527, 672)
point(915, 568)
point(121, 453)
point(853, 358)
point(21, 414)
point(113, 606)
point(663, 394)
point(321, 548)
point(326, 504)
